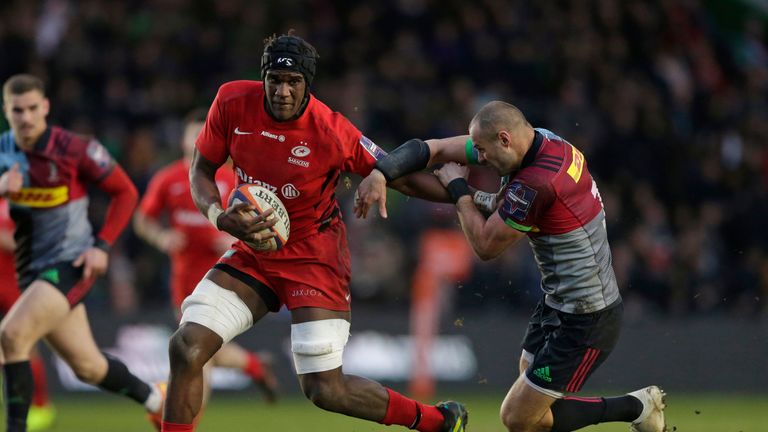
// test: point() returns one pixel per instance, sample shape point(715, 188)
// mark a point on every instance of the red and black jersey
point(299, 160)
point(169, 194)
point(9, 288)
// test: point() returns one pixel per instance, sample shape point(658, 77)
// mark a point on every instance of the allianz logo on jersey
point(289, 191)
point(245, 178)
point(280, 138)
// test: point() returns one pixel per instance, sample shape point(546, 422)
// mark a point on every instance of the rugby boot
point(456, 416)
point(652, 417)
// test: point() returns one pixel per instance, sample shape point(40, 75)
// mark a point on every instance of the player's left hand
point(94, 262)
point(373, 189)
point(451, 171)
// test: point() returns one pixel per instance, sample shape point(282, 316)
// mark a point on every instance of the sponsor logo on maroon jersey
point(518, 200)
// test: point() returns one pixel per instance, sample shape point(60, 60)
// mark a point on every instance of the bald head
point(501, 135)
point(497, 116)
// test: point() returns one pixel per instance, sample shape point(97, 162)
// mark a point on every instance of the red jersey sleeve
point(96, 163)
point(359, 153)
point(6, 223)
point(525, 203)
point(212, 141)
point(154, 199)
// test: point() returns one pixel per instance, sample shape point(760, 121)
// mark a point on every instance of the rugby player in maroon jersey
point(193, 245)
point(281, 137)
point(45, 173)
point(550, 197)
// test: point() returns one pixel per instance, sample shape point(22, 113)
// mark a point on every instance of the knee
point(11, 340)
point(324, 393)
point(512, 422)
point(186, 351)
point(89, 371)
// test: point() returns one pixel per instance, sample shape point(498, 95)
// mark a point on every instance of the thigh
point(66, 278)
point(249, 290)
point(575, 346)
point(73, 341)
point(39, 310)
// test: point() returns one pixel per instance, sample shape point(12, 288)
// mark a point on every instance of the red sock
point(177, 427)
point(253, 367)
point(403, 411)
point(40, 389)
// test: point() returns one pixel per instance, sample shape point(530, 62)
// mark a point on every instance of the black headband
point(290, 53)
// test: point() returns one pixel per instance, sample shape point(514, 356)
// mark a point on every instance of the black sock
point(570, 413)
point(18, 394)
point(121, 381)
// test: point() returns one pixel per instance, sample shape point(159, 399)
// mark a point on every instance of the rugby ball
point(263, 199)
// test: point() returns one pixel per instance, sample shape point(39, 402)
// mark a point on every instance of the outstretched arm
point(400, 168)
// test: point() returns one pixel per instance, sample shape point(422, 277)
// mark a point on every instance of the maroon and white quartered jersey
point(299, 160)
point(554, 199)
point(51, 210)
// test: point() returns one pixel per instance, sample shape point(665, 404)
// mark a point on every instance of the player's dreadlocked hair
point(289, 52)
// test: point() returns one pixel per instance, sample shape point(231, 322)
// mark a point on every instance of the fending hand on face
point(373, 189)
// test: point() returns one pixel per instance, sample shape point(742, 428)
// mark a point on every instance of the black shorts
point(567, 348)
point(65, 277)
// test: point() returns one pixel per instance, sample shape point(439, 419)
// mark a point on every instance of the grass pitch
point(230, 413)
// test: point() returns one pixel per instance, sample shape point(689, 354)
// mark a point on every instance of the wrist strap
point(457, 188)
point(214, 211)
point(102, 244)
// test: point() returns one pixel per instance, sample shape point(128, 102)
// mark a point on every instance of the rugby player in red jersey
point(45, 171)
point(41, 413)
point(550, 197)
point(281, 137)
point(193, 244)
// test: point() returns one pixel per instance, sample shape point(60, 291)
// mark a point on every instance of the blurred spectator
point(668, 99)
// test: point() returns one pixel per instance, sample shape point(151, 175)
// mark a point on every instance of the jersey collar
point(530, 155)
point(42, 142)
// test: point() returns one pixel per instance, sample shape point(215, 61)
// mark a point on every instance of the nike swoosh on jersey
point(239, 132)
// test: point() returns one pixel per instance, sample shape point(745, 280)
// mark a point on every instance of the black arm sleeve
point(411, 156)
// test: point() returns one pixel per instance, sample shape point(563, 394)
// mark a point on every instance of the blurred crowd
point(668, 99)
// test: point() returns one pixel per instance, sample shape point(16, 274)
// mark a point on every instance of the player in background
point(44, 172)
point(41, 413)
point(193, 245)
point(550, 197)
point(279, 136)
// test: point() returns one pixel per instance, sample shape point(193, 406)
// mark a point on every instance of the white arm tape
point(214, 211)
point(484, 201)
